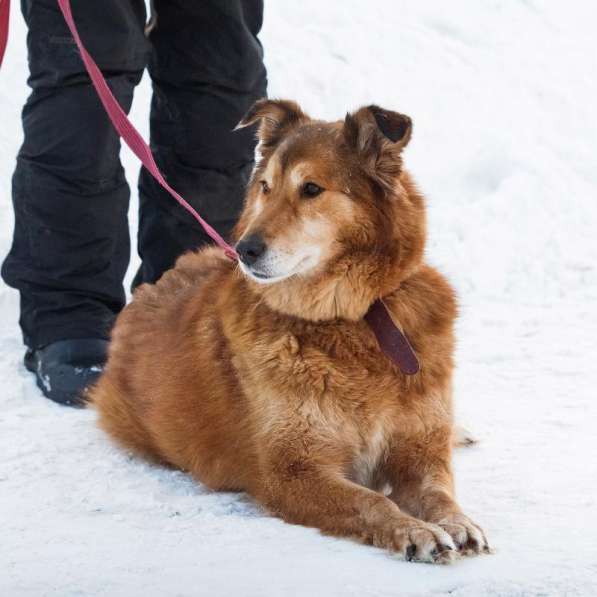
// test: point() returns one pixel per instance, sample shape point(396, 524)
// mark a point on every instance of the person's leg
point(71, 242)
point(207, 70)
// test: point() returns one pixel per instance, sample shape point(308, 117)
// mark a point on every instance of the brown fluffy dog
point(265, 378)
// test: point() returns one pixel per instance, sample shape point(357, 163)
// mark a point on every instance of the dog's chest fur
point(330, 386)
point(370, 457)
point(364, 440)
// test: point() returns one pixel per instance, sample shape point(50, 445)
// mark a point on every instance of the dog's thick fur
point(268, 380)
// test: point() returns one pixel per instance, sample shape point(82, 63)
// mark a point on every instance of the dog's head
point(330, 217)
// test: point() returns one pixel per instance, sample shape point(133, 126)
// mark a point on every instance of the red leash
point(391, 340)
point(129, 133)
point(119, 119)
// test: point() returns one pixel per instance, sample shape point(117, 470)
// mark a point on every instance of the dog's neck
point(345, 293)
point(322, 301)
point(319, 299)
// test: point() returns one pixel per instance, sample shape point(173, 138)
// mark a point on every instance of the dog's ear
point(275, 117)
point(378, 136)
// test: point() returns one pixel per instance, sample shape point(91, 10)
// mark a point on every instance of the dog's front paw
point(418, 541)
point(468, 537)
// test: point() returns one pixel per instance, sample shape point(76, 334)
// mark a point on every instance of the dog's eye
point(264, 187)
point(310, 189)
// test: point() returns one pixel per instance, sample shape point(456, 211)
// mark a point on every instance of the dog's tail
point(463, 438)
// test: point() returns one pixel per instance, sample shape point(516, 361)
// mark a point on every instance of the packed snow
point(503, 98)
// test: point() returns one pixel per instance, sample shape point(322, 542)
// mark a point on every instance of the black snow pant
point(71, 240)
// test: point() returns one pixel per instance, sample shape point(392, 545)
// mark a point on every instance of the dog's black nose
point(250, 249)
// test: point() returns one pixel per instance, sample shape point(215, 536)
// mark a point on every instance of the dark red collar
point(392, 341)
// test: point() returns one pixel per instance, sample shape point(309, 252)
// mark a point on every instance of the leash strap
point(129, 133)
point(116, 114)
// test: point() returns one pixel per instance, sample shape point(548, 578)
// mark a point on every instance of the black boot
point(64, 370)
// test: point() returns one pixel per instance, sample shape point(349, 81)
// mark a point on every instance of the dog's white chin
point(263, 278)
point(272, 277)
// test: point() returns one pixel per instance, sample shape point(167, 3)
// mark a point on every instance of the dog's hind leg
point(117, 418)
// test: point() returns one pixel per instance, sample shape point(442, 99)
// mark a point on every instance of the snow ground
point(505, 146)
